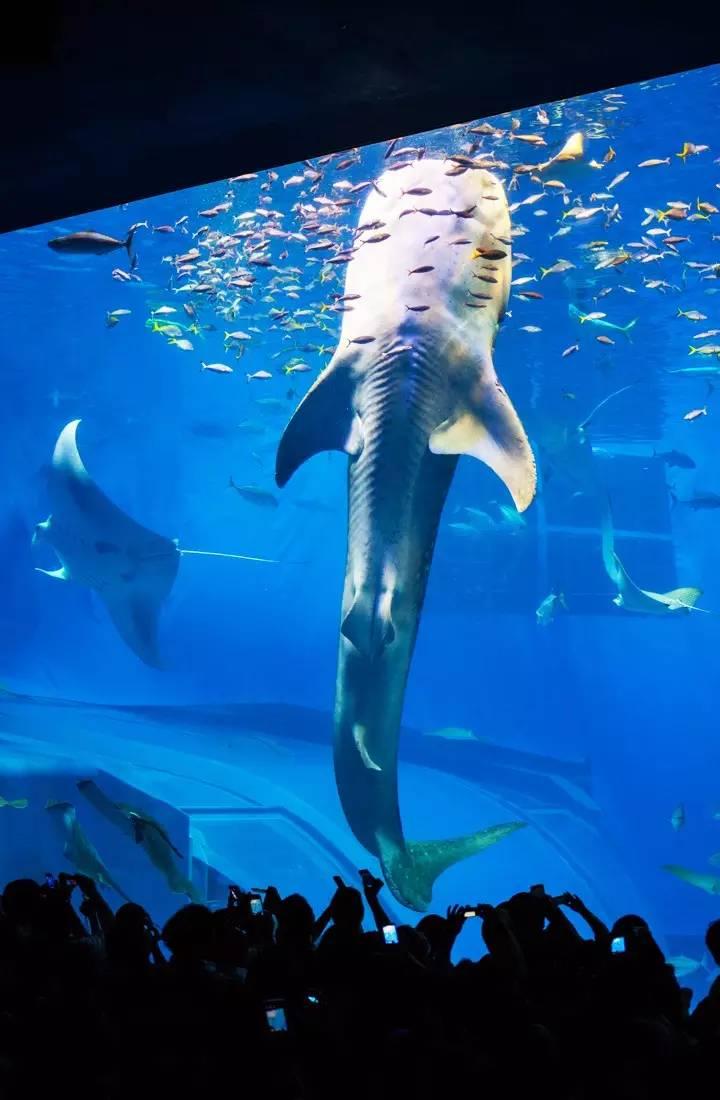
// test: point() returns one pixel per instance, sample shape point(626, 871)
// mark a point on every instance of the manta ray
point(629, 596)
point(130, 567)
point(410, 387)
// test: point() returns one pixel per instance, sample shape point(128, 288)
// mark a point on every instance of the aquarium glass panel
point(363, 513)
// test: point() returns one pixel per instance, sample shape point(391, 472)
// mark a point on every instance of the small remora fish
point(89, 243)
point(254, 494)
point(677, 817)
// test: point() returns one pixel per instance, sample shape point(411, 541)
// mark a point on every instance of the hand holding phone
point(256, 905)
point(617, 945)
point(390, 933)
point(371, 885)
point(275, 1016)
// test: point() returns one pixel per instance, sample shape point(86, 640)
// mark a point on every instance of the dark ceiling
point(105, 101)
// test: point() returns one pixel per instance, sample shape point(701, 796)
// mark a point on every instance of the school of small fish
point(258, 276)
point(257, 273)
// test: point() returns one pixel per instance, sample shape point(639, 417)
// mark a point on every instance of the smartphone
point(256, 905)
point(470, 913)
point(338, 881)
point(275, 1015)
point(390, 933)
point(259, 890)
point(312, 999)
point(537, 889)
point(50, 880)
point(617, 945)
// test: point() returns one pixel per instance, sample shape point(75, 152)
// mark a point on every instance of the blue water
point(623, 706)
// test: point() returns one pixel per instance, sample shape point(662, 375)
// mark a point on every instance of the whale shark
point(146, 832)
point(629, 596)
point(410, 387)
point(130, 567)
point(78, 849)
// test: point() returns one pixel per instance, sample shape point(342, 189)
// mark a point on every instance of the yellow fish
point(14, 803)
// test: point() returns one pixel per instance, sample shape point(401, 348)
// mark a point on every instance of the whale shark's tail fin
point(411, 871)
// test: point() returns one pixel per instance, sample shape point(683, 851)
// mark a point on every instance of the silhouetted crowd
point(264, 998)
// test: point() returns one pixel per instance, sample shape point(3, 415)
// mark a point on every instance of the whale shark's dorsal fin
point(492, 432)
point(411, 871)
point(130, 567)
point(323, 421)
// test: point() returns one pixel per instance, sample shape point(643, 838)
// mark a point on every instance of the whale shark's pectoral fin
point(323, 421)
point(411, 871)
point(492, 432)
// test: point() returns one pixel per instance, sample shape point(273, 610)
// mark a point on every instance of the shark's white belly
point(384, 272)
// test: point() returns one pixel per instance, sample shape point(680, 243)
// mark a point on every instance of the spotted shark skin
point(411, 386)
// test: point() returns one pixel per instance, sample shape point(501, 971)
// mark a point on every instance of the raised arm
point(600, 931)
point(371, 888)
